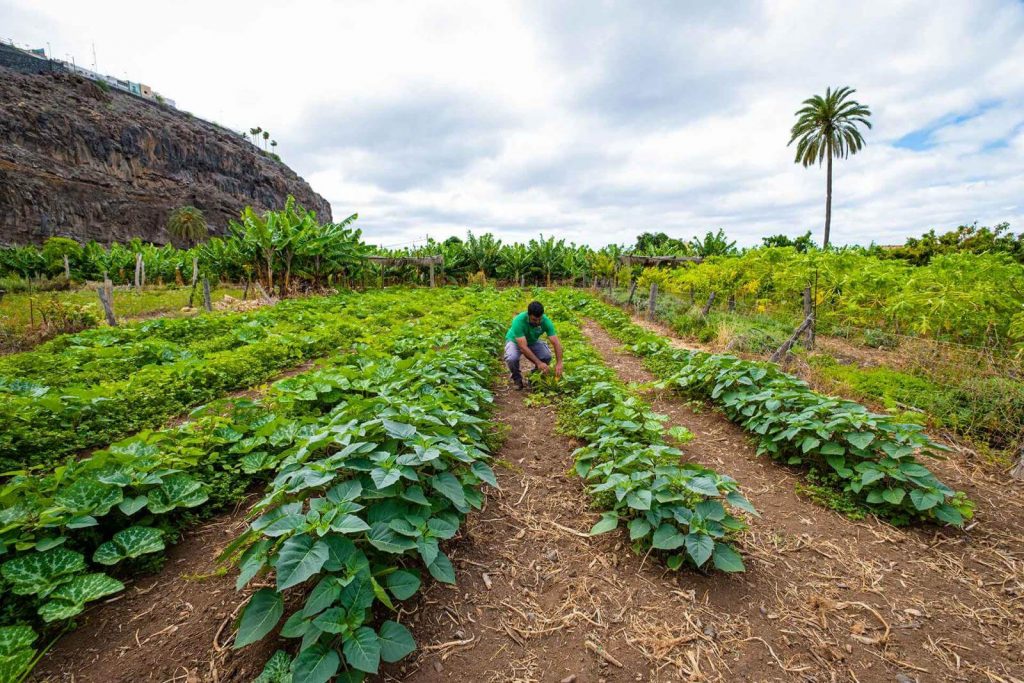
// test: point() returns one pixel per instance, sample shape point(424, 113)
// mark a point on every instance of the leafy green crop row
point(38, 428)
point(362, 502)
point(634, 475)
point(111, 353)
point(871, 456)
point(121, 503)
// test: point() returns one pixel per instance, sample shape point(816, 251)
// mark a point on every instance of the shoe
point(518, 382)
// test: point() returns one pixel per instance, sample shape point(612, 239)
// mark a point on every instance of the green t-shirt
point(521, 327)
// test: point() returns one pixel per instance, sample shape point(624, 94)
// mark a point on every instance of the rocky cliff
point(81, 162)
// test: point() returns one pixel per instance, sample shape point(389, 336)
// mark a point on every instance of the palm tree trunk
point(828, 201)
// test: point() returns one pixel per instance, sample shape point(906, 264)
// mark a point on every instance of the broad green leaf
point(608, 522)
point(738, 500)
point(450, 487)
point(176, 491)
point(252, 561)
point(129, 543)
point(860, 439)
point(668, 537)
point(403, 584)
point(315, 664)
point(362, 650)
point(277, 669)
point(395, 641)
point(129, 506)
point(14, 638)
point(69, 599)
point(870, 476)
point(638, 528)
point(259, 617)
point(398, 430)
point(383, 537)
point(441, 569)
point(345, 491)
point(893, 496)
point(325, 594)
point(639, 499)
point(925, 500)
point(699, 547)
point(702, 485)
point(38, 573)
point(88, 497)
point(299, 558)
point(485, 473)
point(949, 514)
point(727, 559)
point(349, 524)
point(832, 448)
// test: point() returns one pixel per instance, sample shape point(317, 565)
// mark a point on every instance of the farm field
point(22, 311)
point(396, 510)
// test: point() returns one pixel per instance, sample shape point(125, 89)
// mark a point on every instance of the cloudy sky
point(592, 121)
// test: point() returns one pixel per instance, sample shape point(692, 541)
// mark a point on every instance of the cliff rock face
point(80, 162)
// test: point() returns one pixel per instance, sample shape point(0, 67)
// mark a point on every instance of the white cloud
point(590, 121)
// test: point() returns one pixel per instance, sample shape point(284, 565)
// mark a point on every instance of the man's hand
point(543, 367)
point(558, 369)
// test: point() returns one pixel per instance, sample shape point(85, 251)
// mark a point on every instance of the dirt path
point(999, 498)
point(823, 589)
point(172, 626)
point(534, 590)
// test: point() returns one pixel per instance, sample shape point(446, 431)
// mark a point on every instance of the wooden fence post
point(263, 293)
point(707, 307)
point(67, 268)
point(788, 344)
point(632, 291)
point(195, 270)
point(431, 274)
point(732, 303)
point(245, 291)
point(809, 313)
point(207, 304)
point(138, 272)
point(108, 305)
point(142, 272)
point(652, 301)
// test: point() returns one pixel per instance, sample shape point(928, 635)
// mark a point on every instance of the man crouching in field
point(523, 339)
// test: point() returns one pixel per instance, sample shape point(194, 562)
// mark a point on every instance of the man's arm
point(524, 348)
point(557, 344)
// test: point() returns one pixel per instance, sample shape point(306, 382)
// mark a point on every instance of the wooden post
point(245, 291)
point(142, 272)
point(652, 301)
point(263, 293)
point(809, 313)
point(707, 307)
point(138, 272)
point(431, 274)
point(788, 344)
point(108, 305)
point(632, 291)
point(207, 304)
point(1018, 468)
point(67, 268)
point(732, 303)
point(382, 276)
point(195, 270)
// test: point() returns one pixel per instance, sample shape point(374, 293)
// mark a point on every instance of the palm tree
point(254, 132)
point(186, 224)
point(826, 127)
point(273, 144)
point(266, 136)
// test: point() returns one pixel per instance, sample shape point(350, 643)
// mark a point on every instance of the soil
point(172, 626)
point(824, 598)
point(941, 604)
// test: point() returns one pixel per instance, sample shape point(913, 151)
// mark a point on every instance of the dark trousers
point(513, 355)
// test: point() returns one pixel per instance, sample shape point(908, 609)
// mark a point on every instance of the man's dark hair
point(536, 309)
